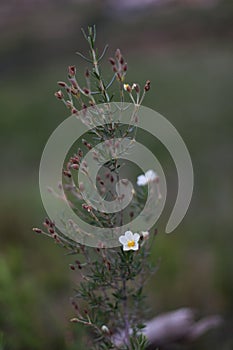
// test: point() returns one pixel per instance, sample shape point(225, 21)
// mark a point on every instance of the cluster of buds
point(135, 87)
point(73, 90)
point(130, 88)
point(74, 162)
point(87, 144)
point(119, 66)
point(87, 207)
point(50, 228)
point(77, 264)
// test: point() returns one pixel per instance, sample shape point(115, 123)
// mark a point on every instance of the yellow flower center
point(130, 244)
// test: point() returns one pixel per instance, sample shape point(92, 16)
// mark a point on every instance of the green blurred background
point(186, 49)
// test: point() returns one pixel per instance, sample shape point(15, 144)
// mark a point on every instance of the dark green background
point(187, 53)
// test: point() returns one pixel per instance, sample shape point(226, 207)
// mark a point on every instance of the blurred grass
point(192, 87)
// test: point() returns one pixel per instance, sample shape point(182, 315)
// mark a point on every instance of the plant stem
point(126, 314)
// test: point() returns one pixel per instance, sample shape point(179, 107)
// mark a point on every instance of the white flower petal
point(145, 234)
point(125, 247)
point(141, 180)
point(151, 175)
point(136, 237)
point(129, 235)
point(123, 240)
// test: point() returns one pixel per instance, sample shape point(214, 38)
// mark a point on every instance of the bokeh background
point(186, 49)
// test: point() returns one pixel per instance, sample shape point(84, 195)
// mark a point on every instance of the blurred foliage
point(187, 54)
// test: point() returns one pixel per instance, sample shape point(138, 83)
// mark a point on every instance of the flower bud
point(136, 87)
point(61, 83)
point(112, 61)
point(37, 230)
point(75, 166)
point(74, 111)
point(125, 67)
point(86, 91)
point(59, 95)
point(147, 85)
point(72, 71)
point(127, 87)
point(66, 173)
point(145, 235)
point(105, 329)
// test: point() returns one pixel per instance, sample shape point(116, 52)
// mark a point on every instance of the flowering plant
point(109, 298)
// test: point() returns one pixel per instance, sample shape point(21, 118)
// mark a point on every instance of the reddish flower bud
point(112, 61)
point(74, 111)
point(86, 91)
point(61, 83)
point(67, 173)
point(84, 142)
point(147, 85)
point(87, 207)
point(59, 95)
point(37, 230)
point(80, 153)
point(46, 222)
point(125, 67)
point(75, 166)
point(72, 71)
point(136, 87)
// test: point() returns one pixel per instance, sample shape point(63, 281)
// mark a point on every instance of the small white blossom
point(105, 329)
point(130, 241)
point(145, 235)
point(149, 176)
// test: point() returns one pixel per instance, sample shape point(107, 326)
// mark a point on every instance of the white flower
point(145, 235)
point(105, 329)
point(149, 176)
point(130, 240)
